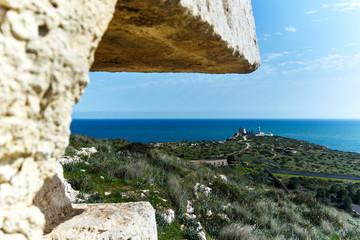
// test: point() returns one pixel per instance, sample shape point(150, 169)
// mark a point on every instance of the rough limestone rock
point(169, 216)
point(54, 199)
point(135, 221)
point(208, 36)
point(87, 151)
point(46, 50)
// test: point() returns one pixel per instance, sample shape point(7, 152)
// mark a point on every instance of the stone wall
point(46, 50)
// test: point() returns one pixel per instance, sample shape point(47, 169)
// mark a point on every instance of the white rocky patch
point(200, 231)
point(66, 160)
point(201, 188)
point(169, 216)
point(190, 211)
point(224, 217)
point(86, 151)
point(223, 177)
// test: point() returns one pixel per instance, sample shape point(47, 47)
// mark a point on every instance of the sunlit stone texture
point(206, 36)
point(46, 50)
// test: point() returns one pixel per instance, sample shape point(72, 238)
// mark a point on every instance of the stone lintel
point(215, 36)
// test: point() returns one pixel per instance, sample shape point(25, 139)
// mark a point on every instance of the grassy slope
point(272, 152)
point(249, 204)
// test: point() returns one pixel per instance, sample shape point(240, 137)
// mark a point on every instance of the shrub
point(214, 224)
point(103, 163)
point(322, 195)
point(71, 167)
point(232, 159)
point(356, 197)
point(305, 198)
point(180, 216)
point(82, 183)
point(346, 203)
point(237, 231)
point(138, 170)
point(287, 214)
point(170, 164)
point(70, 151)
point(178, 195)
point(104, 146)
point(79, 141)
point(190, 233)
point(160, 221)
point(240, 213)
point(228, 190)
point(95, 198)
point(137, 147)
point(293, 184)
point(316, 216)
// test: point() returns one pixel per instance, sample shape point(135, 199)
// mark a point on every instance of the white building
point(262, 134)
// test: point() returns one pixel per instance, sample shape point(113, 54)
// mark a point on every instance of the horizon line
point(215, 118)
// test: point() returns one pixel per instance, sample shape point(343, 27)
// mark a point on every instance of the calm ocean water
point(336, 134)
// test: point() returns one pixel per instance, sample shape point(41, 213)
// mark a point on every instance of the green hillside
point(248, 204)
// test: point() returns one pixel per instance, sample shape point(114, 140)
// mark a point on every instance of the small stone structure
point(46, 50)
point(215, 162)
point(240, 133)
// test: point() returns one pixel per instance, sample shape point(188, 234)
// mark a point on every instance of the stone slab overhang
point(203, 36)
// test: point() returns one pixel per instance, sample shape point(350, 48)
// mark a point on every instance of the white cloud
point(290, 29)
point(355, 61)
point(320, 20)
point(353, 44)
point(330, 61)
point(311, 12)
point(283, 64)
point(345, 6)
point(266, 36)
point(272, 56)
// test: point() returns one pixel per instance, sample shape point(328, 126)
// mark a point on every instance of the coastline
point(341, 135)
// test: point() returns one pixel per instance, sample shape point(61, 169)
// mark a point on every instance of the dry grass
point(237, 231)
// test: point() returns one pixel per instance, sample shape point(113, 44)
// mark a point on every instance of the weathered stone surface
point(54, 199)
point(216, 36)
point(169, 216)
point(122, 221)
point(46, 49)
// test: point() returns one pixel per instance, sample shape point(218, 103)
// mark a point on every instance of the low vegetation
point(243, 201)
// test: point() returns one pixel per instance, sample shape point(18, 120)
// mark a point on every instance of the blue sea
point(341, 135)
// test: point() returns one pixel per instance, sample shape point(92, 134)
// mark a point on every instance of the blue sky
point(310, 53)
